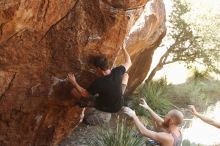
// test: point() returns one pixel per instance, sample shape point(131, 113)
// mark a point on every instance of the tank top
point(177, 140)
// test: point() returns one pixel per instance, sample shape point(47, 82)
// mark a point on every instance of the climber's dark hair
point(101, 62)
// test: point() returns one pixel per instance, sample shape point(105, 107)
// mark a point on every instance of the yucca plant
point(153, 92)
point(121, 136)
point(199, 74)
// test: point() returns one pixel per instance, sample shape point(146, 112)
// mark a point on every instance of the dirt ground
point(82, 133)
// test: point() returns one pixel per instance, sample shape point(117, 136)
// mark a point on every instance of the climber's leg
point(124, 82)
point(82, 101)
point(114, 108)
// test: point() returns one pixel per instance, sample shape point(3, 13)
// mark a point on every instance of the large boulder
point(43, 40)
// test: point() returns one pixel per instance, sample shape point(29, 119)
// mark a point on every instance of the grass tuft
point(121, 136)
point(154, 94)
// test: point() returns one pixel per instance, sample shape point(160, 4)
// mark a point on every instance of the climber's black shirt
point(109, 90)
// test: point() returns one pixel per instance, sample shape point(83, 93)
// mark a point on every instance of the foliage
point(199, 75)
point(185, 45)
point(153, 92)
point(207, 27)
point(121, 136)
point(201, 94)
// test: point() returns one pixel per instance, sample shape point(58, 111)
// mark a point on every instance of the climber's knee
point(124, 82)
point(125, 78)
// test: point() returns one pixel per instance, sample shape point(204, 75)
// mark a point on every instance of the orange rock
point(46, 38)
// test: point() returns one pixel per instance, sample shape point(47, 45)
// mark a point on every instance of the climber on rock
point(106, 92)
point(168, 133)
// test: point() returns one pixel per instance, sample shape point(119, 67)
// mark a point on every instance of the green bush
point(121, 136)
point(201, 94)
point(199, 75)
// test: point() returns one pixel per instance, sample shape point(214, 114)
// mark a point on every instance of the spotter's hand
point(131, 113)
point(192, 109)
point(144, 104)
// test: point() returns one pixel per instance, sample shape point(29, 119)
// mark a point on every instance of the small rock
point(96, 117)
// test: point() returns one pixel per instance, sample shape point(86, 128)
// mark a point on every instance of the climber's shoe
point(85, 102)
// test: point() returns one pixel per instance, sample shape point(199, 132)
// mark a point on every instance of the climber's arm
point(83, 92)
point(128, 62)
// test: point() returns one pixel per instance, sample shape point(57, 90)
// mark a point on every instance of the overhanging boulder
point(43, 39)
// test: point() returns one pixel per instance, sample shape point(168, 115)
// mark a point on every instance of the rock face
point(43, 40)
